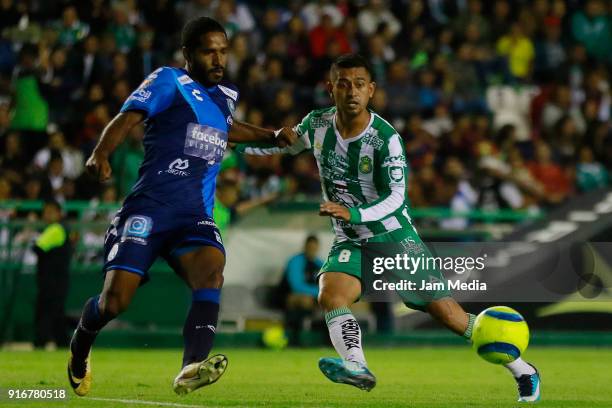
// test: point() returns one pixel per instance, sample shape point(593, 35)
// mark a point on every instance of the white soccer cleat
point(196, 375)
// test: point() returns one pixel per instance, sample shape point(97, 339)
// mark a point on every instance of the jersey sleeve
point(390, 178)
point(154, 95)
point(304, 142)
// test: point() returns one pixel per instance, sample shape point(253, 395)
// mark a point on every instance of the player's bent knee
point(330, 301)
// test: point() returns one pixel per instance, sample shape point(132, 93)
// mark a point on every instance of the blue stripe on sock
point(206, 295)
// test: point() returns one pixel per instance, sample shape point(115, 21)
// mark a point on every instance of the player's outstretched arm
point(112, 136)
point(242, 132)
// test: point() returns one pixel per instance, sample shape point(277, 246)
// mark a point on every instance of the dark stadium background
point(504, 107)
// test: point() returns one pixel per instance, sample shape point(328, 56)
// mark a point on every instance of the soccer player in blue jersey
point(188, 123)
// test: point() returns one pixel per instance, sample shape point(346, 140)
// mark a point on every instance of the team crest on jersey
point(396, 174)
point(365, 164)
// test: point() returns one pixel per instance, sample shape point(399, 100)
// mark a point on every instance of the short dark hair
point(312, 238)
point(352, 61)
point(196, 28)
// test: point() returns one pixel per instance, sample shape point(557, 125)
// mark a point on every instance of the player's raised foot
point(196, 375)
point(79, 375)
point(347, 372)
point(529, 386)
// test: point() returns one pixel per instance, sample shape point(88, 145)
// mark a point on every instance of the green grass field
point(415, 377)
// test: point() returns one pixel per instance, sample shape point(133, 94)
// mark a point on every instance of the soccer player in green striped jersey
point(363, 171)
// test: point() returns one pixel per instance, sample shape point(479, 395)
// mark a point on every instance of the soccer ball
point(274, 338)
point(500, 334)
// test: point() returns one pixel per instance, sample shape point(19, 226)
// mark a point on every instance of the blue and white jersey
point(186, 131)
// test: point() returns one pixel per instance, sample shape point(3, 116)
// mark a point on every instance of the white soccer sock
point(519, 367)
point(345, 334)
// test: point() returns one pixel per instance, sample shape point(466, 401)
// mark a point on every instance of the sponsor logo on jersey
point(395, 161)
point(137, 229)
point(141, 95)
point(371, 138)
point(365, 164)
point(184, 80)
point(396, 174)
point(206, 223)
point(218, 237)
point(177, 168)
point(229, 92)
point(205, 142)
point(320, 123)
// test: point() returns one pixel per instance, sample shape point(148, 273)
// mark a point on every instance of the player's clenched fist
point(285, 137)
point(335, 210)
point(98, 165)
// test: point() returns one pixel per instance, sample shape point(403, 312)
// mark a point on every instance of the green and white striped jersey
point(366, 173)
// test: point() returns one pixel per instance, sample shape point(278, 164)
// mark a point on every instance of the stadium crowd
point(501, 104)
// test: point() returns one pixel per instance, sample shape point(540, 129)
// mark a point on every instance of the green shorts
point(345, 257)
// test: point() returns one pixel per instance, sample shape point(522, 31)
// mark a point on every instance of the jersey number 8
point(344, 256)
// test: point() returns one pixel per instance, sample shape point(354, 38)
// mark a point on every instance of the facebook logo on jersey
point(205, 142)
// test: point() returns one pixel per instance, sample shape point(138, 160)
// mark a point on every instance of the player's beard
point(207, 76)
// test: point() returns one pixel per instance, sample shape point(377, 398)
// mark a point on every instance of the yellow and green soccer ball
point(275, 338)
point(500, 335)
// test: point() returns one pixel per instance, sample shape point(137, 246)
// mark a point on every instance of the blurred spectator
point(590, 174)
point(55, 176)
point(72, 159)
point(70, 28)
point(122, 28)
point(457, 193)
point(313, 11)
point(143, 59)
point(559, 106)
point(550, 52)
point(377, 18)
point(13, 158)
point(553, 178)
point(30, 111)
point(324, 34)
point(300, 288)
point(54, 252)
point(519, 50)
point(592, 28)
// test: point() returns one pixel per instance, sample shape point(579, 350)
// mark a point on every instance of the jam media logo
point(137, 229)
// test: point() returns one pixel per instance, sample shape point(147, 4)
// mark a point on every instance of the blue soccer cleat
point(347, 372)
point(529, 386)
